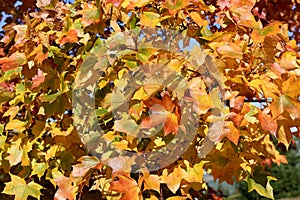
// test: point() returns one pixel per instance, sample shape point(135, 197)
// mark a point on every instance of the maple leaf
point(231, 132)
point(71, 37)
point(7, 86)
point(18, 187)
point(198, 19)
point(86, 163)
point(259, 35)
point(231, 51)
point(198, 94)
point(162, 114)
point(223, 3)
point(121, 163)
point(256, 12)
point(40, 57)
point(277, 69)
point(21, 33)
point(2, 53)
point(13, 61)
point(224, 164)
point(235, 118)
point(42, 3)
point(127, 126)
point(150, 19)
point(290, 87)
point(90, 14)
point(237, 103)
point(267, 122)
point(175, 6)
point(151, 182)
point(158, 115)
point(174, 178)
point(15, 153)
point(66, 188)
point(39, 169)
point(123, 183)
point(171, 125)
point(283, 103)
point(38, 79)
point(131, 4)
point(115, 3)
point(195, 173)
point(245, 55)
point(267, 192)
point(241, 10)
point(284, 136)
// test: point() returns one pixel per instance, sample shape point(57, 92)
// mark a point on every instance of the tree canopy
point(138, 99)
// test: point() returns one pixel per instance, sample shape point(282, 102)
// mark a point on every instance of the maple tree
point(150, 96)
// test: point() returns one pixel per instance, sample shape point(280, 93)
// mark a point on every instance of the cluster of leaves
point(41, 153)
point(287, 175)
point(287, 11)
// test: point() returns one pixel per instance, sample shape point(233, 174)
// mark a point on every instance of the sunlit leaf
point(126, 185)
point(271, 29)
point(39, 169)
point(173, 179)
point(66, 188)
point(20, 189)
point(150, 19)
point(15, 60)
point(86, 163)
point(90, 14)
point(16, 124)
point(71, 37)
point(151, 182)
point(197, 18)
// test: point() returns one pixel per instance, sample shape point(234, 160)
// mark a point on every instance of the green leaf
point(2, 141)
point(20, 89)
point(90, 14)
point(150, 19)
point(250, 115)
point(10, 73)
point(195, 173)
point(266, 192)
point(51, 97)
point(127, 126)
point(101, 111)
point(145, 53)
point(1, 128)
point(39, 169)
point(21, 189)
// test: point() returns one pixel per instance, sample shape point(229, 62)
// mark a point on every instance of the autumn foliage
point(250, 111)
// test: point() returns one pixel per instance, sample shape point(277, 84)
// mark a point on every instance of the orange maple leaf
point(13, 61)
point(163, 111)
point(123, 183)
